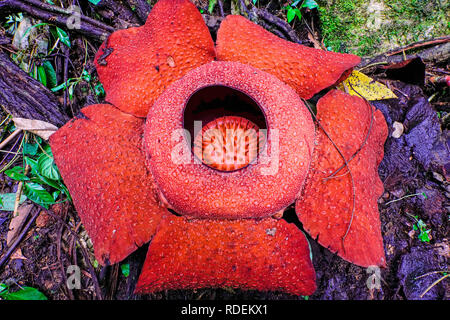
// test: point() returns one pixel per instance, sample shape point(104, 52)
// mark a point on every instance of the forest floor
point(414, 208)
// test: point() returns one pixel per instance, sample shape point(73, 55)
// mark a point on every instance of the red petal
point(145, 60)
point(103, 167)
point(325, 207)
point(305, 69)
point(267, 254)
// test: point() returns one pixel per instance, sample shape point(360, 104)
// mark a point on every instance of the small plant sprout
point(293, 9)
point(419, 225)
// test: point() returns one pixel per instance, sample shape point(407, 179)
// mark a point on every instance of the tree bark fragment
point(25, 97)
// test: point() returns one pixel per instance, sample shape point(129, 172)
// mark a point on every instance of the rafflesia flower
point(203, 146)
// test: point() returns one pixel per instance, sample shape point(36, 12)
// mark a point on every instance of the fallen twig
point(19, 191)
point(25, 97)
point(84, 252)
point(419, 45)
point(61, 265)
point(58, 16)
point(434, 283)
point(9, 138)
point(140, 7)
point(19, 239)
point(222, 13)
point(279, 23)
point(438, 52)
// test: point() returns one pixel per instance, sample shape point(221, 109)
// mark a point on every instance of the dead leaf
point(17, 222)
point(43, 219)
point(443, 248)
point(314, 41)
point(18, 255)
point(41, 128)
point(358, 84)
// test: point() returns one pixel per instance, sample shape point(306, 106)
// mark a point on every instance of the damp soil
point(415, 172)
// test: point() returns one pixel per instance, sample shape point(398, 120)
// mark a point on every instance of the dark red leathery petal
point(263, 254)
point(137, 64)
point(100, 159)
point(306, 69)
point(325, 207)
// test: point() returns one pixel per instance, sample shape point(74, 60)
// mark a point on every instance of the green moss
point(368, 27)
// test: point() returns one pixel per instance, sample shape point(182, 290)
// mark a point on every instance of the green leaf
point(310, 4)
point(63, 36)
point(424, 237)
point(46, 164)
point(61, 86)
point(86, 76)
point(290, 14)
point(8, 201)
point(125, 269)
point(3, 289)
point(41, 76)
point(34, 26)
point(36, 193)
point(30, 148)
point(38, 177)
point(95, 2)
point(56, 194)
point(26, 293)
point(33, 165)
point(298, 13)
point(50, 73)
point(70, 91)
point(16, 174)
point(211, 5)
point(99, 90)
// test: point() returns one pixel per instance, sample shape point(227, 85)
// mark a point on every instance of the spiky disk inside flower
point(229, 143)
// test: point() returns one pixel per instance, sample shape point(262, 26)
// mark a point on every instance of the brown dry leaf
point(43, 219)
point(41, 128)
point(17, 222)
point(443, 249)
point(314, 41)
point(18, 255)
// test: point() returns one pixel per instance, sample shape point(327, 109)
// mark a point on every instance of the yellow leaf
point(358, 84)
